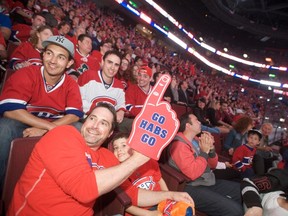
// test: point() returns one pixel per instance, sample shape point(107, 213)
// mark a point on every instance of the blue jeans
point(221, 199)
point(9, 130)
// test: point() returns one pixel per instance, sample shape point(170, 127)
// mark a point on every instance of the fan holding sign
point(78, 170)
point(156, 125)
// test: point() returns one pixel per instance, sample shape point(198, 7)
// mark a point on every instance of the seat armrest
point(112, 203)
point(123, 198)
point(180, 177)
point(174, 179)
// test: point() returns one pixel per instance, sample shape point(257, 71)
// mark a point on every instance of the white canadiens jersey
point(93, 90)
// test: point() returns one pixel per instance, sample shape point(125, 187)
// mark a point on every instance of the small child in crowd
point(148, 176)
point(243, 155)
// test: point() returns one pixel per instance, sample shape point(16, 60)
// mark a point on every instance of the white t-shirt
point(271, 206)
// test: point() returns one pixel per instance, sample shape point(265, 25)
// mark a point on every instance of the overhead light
point(268, 59)
point(225, 49)
point(245, 55)
point(264, 39)
point(272, 75)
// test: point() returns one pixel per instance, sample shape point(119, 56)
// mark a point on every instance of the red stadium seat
point(179, 109)
point(175, 180)
point(10, 48)
point(7, 74)
point(20, 151)
point(111, 203)
point(217, 143)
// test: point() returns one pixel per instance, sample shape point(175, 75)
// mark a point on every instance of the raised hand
point(156, 125)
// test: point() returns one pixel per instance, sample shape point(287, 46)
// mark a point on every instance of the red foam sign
point(156, 125)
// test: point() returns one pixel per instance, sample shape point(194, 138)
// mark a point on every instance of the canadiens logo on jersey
point(93, 164)
point(96, 100)
point(45, 112)
point(146, 183)
point(35, 61)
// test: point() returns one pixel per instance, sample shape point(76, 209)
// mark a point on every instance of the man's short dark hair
point(254, 132)
point(112, 110)
point(155, 75)
point(119, 136)
point(81, 37)
point(223, 102)
point(106, 41)
point(113, 52)
point(63, 23)
point(181, 83)
point(137, 58)
point(184, 119)
point(42, 14)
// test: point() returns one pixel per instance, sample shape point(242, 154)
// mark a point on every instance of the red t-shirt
point(59, 178)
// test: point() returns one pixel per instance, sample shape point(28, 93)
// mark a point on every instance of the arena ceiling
point(252, 23)
point(259, 27)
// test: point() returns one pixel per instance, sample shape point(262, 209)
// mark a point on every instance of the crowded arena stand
point(60, 59)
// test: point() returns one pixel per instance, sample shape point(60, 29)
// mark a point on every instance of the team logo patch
point(146, 183)
point(60, 39)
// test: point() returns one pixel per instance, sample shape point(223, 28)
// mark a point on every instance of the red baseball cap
point(147, 70)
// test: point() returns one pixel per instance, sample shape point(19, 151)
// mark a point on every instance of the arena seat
point(10, 48)
point(222, 155)
point(217, 143)
point(179, 109)
point(20, 151)
point(111, 203)
point(175, 180)
point(7, 74)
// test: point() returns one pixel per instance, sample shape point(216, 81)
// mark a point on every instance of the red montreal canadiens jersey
point(147, 176)
point(84, 63)
point(93, 91)
point(21, 32)
point(25, 52)
point(135, 99)
point(26, 89)
point(19, 6)
point(96, 54)
point(243, 157)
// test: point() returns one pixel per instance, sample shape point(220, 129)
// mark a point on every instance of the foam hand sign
point(156, 125)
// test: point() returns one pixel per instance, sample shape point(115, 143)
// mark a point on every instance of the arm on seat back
point(112, 203)
point(175, 180)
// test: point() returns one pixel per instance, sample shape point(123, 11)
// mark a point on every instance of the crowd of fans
point(123, 65)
